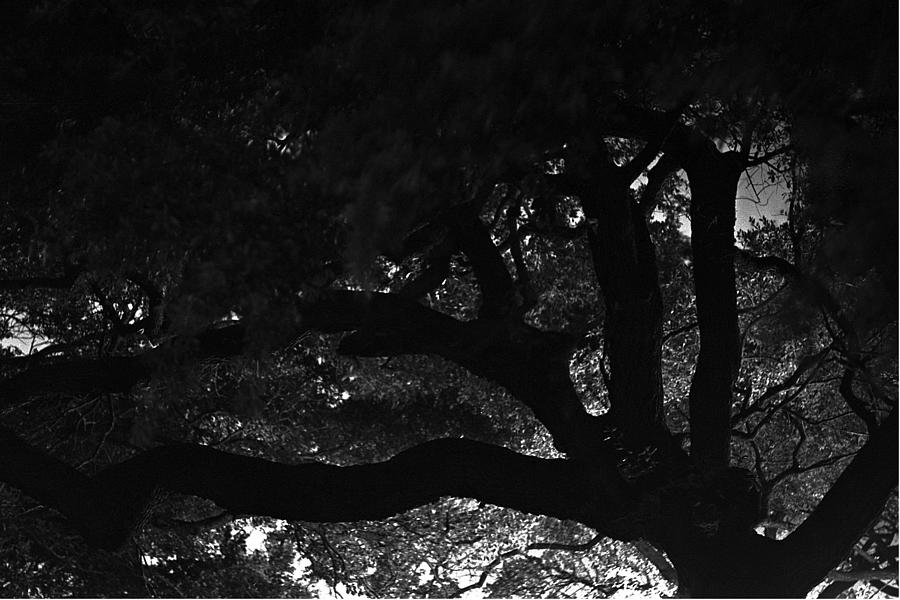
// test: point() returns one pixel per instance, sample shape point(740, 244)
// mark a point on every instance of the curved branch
point(848, 342)
point(107, 508)
point(854, 402)
point(486, 571)
point(857, 497)
point(655, 179)
point(651, 150)
point(494, 280)
point(533, 365)
point(810, 284)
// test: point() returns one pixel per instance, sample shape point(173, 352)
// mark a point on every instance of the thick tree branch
point(385, 324)
point(75, 377)
point(848, 339)
point(494, 280)
point(855, 402)
point(631, 121)
point(531, 364)
point(110, 312)
point(713, 178)
point(655, 179)
point(117, 374)
point(106, 508)
point(651, 150)
point(515, 248)
point(71, 273)
point(809, 284)
point(827, 536)
point(625, 265)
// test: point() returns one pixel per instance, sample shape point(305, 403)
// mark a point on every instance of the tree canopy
point(448, 299)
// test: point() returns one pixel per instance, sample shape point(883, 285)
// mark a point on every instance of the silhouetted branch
point(759, 159)
point(494, 280)
point(110, 312)
point(713, 178)
point(531, 364)
point(863, 575)
point(808, 283)
point(116, 373)
point(843, 515)
point(486, 571)
point(741, 310)
point(804, 365)
point(655, 179)
point(515, 248)
point(106, 508)
point(154, 320)
point(65, 281)
point(855, 402)
point(652, 148)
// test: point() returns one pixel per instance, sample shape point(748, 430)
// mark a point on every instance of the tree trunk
point(713, 179)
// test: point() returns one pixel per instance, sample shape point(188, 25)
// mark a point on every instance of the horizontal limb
point(108, 507)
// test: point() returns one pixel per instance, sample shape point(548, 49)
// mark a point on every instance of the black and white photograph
point(468, 299)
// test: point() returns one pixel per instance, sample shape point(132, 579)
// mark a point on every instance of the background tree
point(279, 267)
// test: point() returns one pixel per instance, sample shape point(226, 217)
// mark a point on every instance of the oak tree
point(402, 267)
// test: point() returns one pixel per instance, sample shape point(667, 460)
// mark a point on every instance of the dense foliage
point(484, 253)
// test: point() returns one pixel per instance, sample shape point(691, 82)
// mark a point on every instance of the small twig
point(753, 161)
point(863, 575)
point(486, 571)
